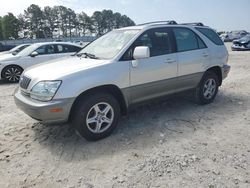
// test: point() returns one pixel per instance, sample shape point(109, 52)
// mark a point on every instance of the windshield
point(247, 37)
point(110, 44)
point(18, 49)
point(27, 51)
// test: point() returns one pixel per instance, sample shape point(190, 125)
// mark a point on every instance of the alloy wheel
point(209, 88)
point(100, 117)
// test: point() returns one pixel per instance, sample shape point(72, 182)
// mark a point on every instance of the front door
point(156, 75)
point(45, 54)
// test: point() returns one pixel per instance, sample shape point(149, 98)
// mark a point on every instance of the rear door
point(193, 55)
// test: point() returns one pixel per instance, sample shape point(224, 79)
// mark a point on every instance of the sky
point(222, 15)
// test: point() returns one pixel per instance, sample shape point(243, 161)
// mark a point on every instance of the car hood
point(57, 69)
point(242, 40)
point(8, 57)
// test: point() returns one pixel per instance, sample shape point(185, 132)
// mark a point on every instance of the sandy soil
point(174, 143)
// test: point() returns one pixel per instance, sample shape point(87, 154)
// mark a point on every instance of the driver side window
point(158, 40)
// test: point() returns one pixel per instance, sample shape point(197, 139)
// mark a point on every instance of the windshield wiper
point(92, 56)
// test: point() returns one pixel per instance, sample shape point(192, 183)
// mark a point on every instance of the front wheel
point(12, 73)
point(208, 88)
point(96, 116)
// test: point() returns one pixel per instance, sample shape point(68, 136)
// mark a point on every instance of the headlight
point(45, 90)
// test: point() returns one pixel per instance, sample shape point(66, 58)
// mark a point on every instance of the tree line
point(42, 23)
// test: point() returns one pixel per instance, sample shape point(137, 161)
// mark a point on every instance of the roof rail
point(195, 23)
point(159, 22)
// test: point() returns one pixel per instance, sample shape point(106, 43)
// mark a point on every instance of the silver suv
point(124, 67)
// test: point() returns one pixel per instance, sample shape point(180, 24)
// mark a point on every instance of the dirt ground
point(175, 143)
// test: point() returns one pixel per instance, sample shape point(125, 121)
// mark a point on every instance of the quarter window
point(211, 35)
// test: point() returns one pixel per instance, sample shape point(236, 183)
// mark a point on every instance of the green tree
point(85, 24)
point(10, 26)
point(98, 23)
point(1, 32)
point(50, 18)
point(35, 20)
point(62, 19)
point(107, 20)
point(71, 21)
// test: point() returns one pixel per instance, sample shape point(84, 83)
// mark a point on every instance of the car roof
point(163, 23)
point(48, 43)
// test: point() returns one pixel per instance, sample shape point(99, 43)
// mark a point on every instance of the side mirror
point(141, 52)
point(34, 54)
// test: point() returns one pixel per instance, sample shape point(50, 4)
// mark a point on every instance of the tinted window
point(185, 39)
point(211, 35)
point(201, 43)
point(158, 41)
point(67, 48)
point(46, 49)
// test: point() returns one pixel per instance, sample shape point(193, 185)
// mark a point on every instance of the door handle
point(205, 55)
point(170, 61)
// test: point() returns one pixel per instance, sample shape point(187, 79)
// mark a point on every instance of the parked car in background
point(241, 44)
point(225, 37)
point(122, 68)
point(16, 49)
point(4, 47)
point(233, 35)
point(81, 43)
point(12, 66)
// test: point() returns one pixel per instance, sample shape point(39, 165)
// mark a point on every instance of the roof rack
point(195, 23)
point(160, 22)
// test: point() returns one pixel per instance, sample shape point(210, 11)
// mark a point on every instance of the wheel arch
point(10, 65)
point(111, 89)
point(217, 70)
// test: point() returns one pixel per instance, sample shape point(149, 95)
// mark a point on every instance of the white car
point(12, 65)
point(122, 68)
point(16, 49)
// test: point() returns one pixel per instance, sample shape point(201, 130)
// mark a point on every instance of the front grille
point(24, 82)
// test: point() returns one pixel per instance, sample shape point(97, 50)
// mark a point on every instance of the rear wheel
point(96, 116)
point(12, 73)
point(208, 88)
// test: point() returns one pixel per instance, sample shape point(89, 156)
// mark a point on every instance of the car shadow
point(4, 82)
point(146, 126)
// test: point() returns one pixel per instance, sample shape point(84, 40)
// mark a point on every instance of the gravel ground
point(174, 143)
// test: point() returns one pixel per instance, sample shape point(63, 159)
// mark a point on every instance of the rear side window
point(67, 48)
point(185, 39)
point(211, 35)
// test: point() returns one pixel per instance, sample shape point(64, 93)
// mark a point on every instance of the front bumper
point(242, 47)
point(44, 111)
point(225, 71)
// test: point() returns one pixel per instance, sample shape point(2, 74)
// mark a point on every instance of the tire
point(207, 88)
point(12, 73)
point(90, 119)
